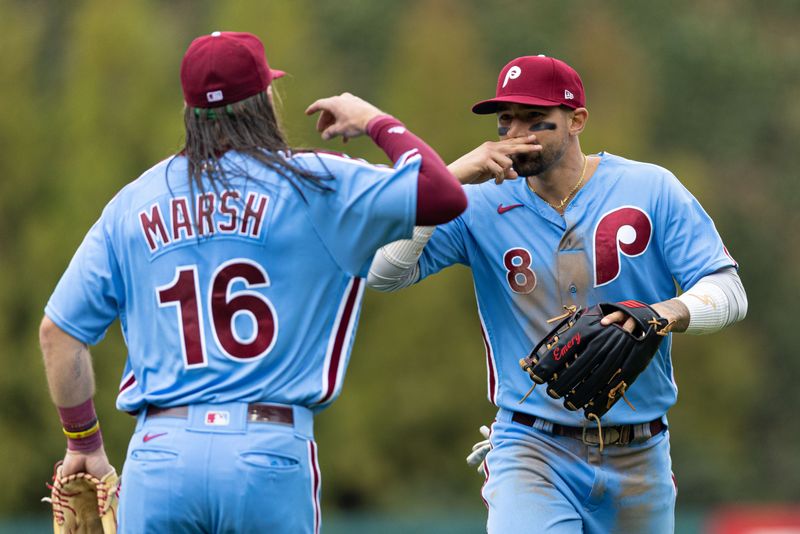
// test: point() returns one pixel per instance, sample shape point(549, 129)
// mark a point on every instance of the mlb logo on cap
point(536, 81)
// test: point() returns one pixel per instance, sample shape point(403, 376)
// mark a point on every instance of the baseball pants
point(216, 471)
point(538, 482)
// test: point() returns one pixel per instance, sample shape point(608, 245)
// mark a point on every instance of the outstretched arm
point(439, 195)
point(395, 265)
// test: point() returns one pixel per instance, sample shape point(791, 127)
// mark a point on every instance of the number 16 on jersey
point(222, 305)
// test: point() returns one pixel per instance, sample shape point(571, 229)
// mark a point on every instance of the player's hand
point(620, 318)
point(95, 463)
point(479, 452)
point(674, 311)
point(492, 160)
point(346, 115)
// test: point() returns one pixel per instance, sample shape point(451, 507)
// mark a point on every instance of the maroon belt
point(612, 435)
point(256, 413)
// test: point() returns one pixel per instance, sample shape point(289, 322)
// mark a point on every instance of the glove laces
point(527, 364)
point(568, 310)
point(599, 430)
point(60, 502)
point(619, 388)
point(661, 328)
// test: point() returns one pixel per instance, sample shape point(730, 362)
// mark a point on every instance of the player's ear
point(577, 121)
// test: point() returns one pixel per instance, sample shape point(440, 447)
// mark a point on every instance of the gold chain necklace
point(560, 205)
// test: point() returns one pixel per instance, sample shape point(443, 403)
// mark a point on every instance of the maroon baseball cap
point(536, 81)
point(223, 68)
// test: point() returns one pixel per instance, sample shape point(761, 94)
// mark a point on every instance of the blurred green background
point(90, 98)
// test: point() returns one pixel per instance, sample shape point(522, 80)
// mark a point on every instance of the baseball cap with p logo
point(536, 81)
point(223, 68)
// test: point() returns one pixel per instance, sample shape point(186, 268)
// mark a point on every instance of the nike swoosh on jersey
point(148, 437)
point(502, 209)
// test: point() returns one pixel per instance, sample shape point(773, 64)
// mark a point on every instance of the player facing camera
point(554, 234)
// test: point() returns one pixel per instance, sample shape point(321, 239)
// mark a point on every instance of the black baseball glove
point(591, 365)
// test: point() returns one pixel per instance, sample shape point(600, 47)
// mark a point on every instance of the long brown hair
point(250, 127)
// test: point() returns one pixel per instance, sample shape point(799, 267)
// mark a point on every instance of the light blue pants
point(185, 475)
point(538, 482)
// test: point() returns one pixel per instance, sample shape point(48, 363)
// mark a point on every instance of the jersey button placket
point(570, 265)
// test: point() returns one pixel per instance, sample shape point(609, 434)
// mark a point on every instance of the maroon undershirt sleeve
point(440, 197)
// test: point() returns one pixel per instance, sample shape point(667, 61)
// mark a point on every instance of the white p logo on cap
point(512, 74)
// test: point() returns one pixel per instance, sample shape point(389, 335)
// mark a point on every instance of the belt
point(611, 435)
point(256, 413)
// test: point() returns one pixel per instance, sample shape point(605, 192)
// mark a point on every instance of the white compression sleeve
point(715, 301)
point(395, 265)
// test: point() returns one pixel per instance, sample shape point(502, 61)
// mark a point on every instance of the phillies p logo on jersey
point(625, 230)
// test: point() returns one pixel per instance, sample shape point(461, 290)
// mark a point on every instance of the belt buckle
point(585, 436)
point(611, 436)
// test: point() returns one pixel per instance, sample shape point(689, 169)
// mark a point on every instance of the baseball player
point(207, 259)
point(558, 228)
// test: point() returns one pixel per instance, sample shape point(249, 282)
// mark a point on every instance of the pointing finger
point(313, 108)
point(318, 105)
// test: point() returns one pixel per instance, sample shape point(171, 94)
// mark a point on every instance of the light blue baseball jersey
point(631, 232)
point(246, 293)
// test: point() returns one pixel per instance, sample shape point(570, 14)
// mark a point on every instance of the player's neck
point(559, 184)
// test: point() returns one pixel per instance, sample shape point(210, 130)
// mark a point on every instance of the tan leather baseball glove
point(84, 504)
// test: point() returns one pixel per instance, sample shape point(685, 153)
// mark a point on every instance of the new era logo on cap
point(536, 81)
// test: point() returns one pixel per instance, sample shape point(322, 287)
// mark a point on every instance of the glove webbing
point(61, 497)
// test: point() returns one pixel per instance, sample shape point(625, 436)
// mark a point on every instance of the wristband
point(94, 429)
point(81, 427)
